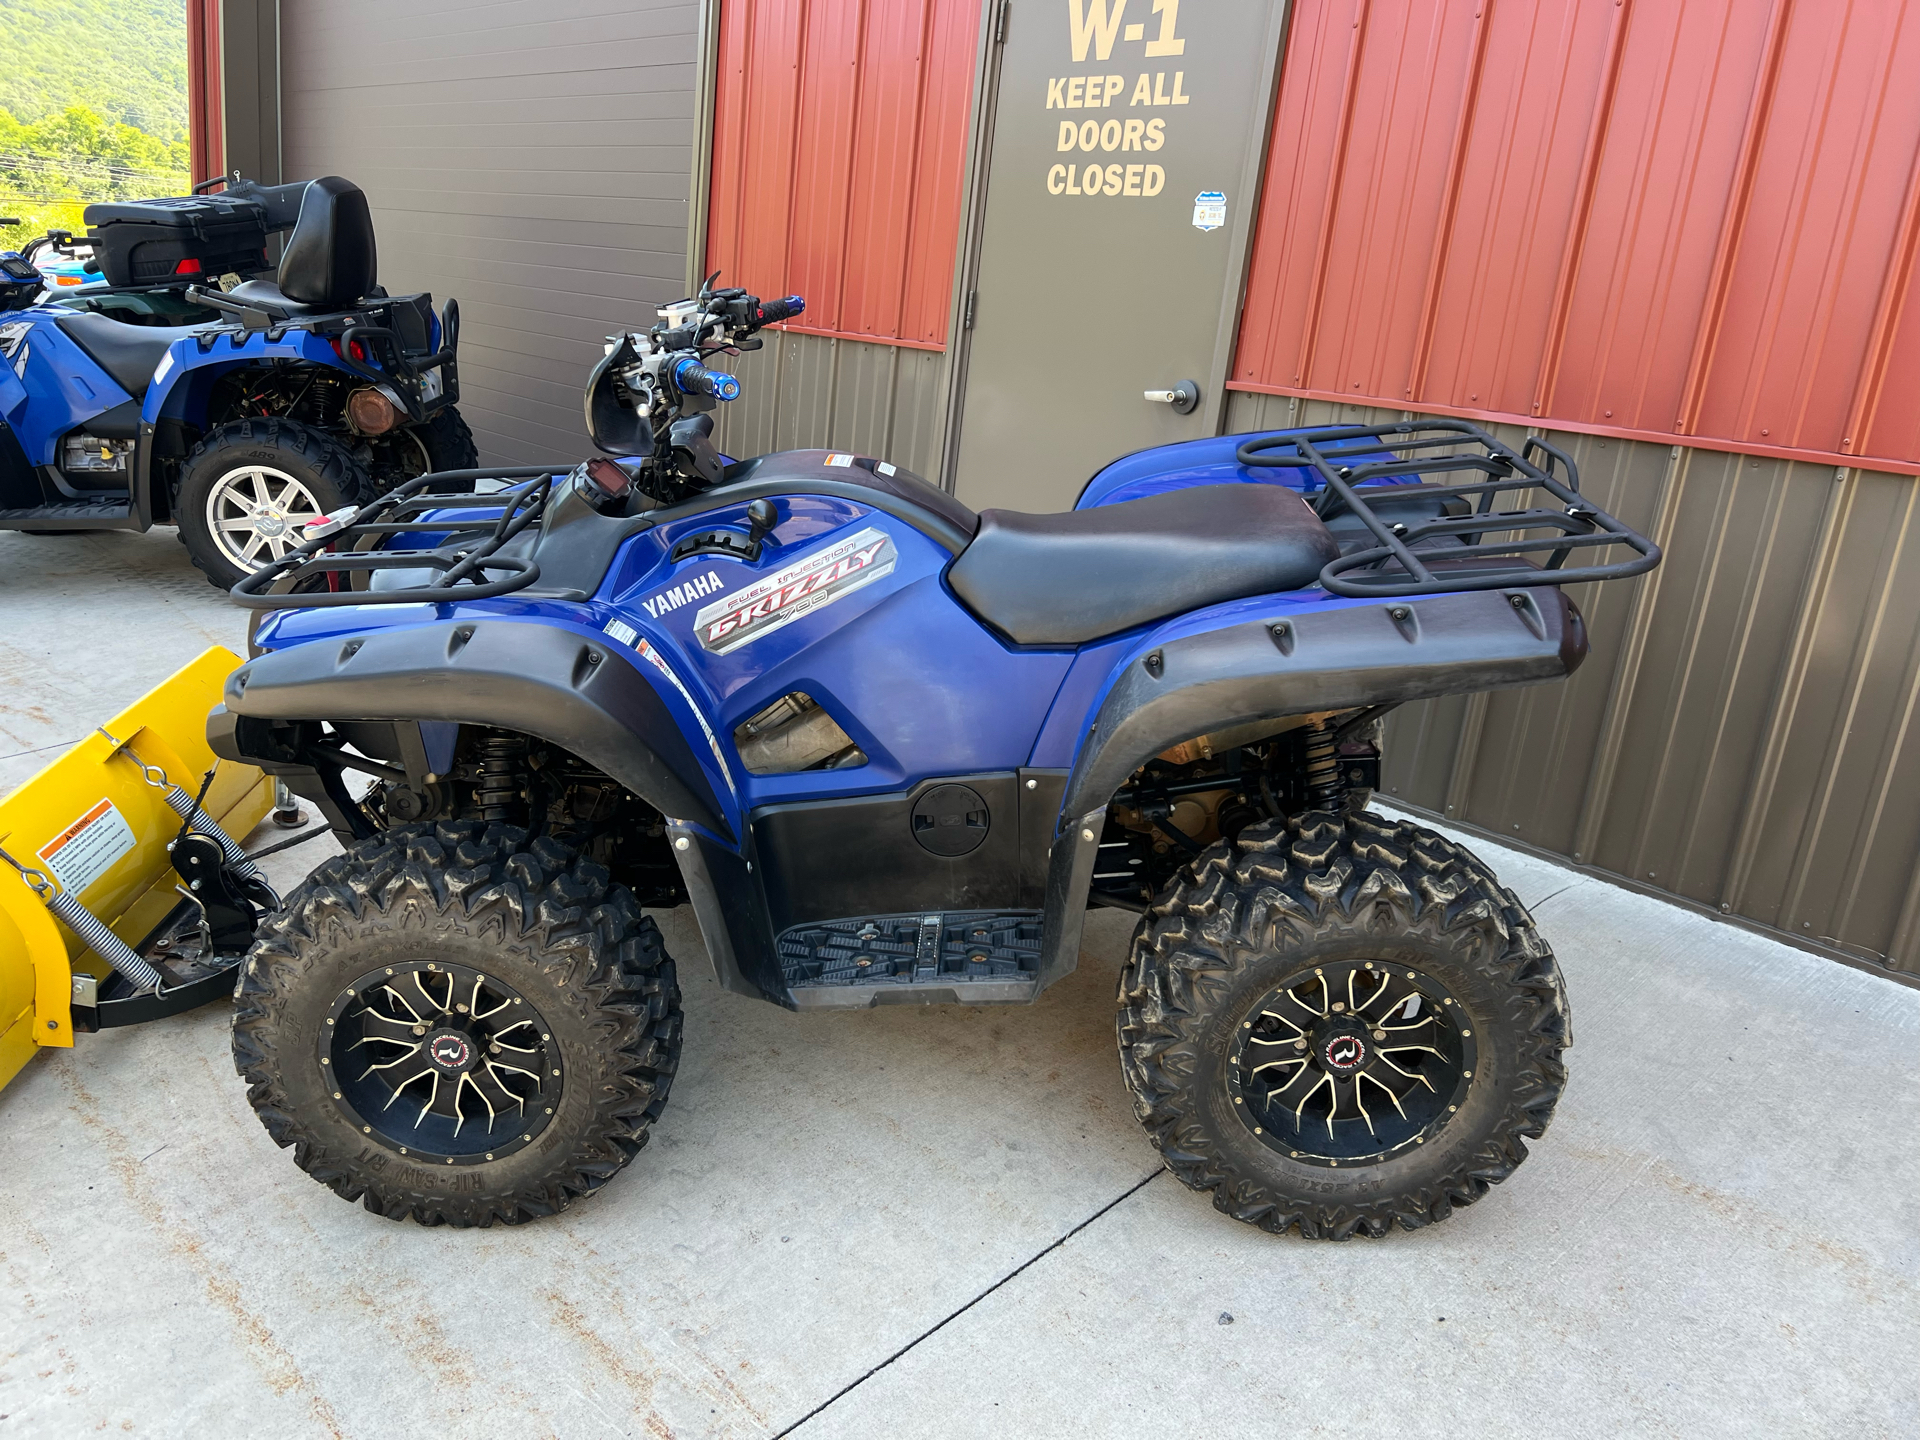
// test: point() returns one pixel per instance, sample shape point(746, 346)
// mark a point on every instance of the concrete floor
point(947, 1222)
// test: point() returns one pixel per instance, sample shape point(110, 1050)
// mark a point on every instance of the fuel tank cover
point(950, 820)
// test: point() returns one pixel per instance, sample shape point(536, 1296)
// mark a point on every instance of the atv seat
point(329, 263)
point(129, 353)
point(1066, 579)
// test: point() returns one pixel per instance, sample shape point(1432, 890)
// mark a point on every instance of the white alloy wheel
point(255, 512)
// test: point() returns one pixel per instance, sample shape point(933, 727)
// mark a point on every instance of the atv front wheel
point(1341, 1023)
point(451, 1028)
point(248, 487)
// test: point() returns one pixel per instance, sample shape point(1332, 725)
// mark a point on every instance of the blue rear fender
point(1266, 659)
point(1209, 461)
point(1097, 668)
point(1306, 652)
point(185, 377)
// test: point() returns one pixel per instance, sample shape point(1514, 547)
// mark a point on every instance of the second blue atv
point(279, 400)
point(890, 751)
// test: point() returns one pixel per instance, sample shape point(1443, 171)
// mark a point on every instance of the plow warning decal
point(87, 849)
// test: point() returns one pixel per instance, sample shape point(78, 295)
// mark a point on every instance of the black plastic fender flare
point(552, 683)
point(1312, 661)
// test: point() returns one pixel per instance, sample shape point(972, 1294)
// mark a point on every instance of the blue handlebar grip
point(694, 378)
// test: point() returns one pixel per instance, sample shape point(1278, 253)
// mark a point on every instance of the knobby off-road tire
point(443, 443)
point(1264, 932)
point(466, 923)
point(271, 460)
point(449, 441)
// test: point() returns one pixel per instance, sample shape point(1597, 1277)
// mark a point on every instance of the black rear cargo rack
point(463, 574)
point(1440, 543)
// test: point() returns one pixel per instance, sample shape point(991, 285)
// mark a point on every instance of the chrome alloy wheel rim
point(255, 513)
point(1351, 1063)
point(444, 1064)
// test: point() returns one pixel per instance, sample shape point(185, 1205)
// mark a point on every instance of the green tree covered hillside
point(50, 170)
point(93, 106)
point(124, 59)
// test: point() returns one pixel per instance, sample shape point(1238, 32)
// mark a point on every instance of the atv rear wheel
point(449, 441)
point(451, 1028)
point(1341, 1023)
point(443, 443)
point(248, 487)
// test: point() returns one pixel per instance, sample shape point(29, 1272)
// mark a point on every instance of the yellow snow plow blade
point(94, 824)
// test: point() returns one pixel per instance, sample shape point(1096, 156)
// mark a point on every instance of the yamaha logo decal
point(450, 1052)
point(1343, 1054)
point(693, 587)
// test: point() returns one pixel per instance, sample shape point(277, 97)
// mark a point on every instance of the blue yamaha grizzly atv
point(265, 406)
point(890, 751)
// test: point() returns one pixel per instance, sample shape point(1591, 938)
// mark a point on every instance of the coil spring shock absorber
point(323, 402)
point(1326, 782)
point(503, 781)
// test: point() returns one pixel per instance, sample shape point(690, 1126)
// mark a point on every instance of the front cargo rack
point(1437, 538)
point(336, 568)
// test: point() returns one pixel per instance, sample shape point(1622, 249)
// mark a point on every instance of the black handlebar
point(280, 202)
point(774, 311)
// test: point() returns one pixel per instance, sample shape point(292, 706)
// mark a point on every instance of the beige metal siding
point(530, 158)
point(249, 86)
point(805, 391)
point(1742, 734)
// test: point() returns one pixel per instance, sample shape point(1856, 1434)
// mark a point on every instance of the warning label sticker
point(1209, 210)
point(88, 848)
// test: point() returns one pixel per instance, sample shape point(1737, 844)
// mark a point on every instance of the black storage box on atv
point(142, 242)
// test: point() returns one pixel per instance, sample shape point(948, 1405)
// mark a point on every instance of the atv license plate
point(429, 386)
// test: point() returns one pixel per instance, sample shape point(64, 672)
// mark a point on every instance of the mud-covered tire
point(268, 454)
point(536, 919)
point(1280, 900)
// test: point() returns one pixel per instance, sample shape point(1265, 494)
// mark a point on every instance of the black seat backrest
point(329, 262)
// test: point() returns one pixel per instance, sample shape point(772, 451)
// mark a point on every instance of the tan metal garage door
point(530, 158)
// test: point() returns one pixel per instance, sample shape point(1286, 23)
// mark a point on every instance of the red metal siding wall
point(206, 127)
point(840, 135)
point(1651, 218)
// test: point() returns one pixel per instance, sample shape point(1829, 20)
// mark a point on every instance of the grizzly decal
point(801, 588)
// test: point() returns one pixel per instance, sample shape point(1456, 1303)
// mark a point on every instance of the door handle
point(1184, 397)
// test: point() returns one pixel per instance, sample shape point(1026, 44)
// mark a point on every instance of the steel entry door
point(1097, 280)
